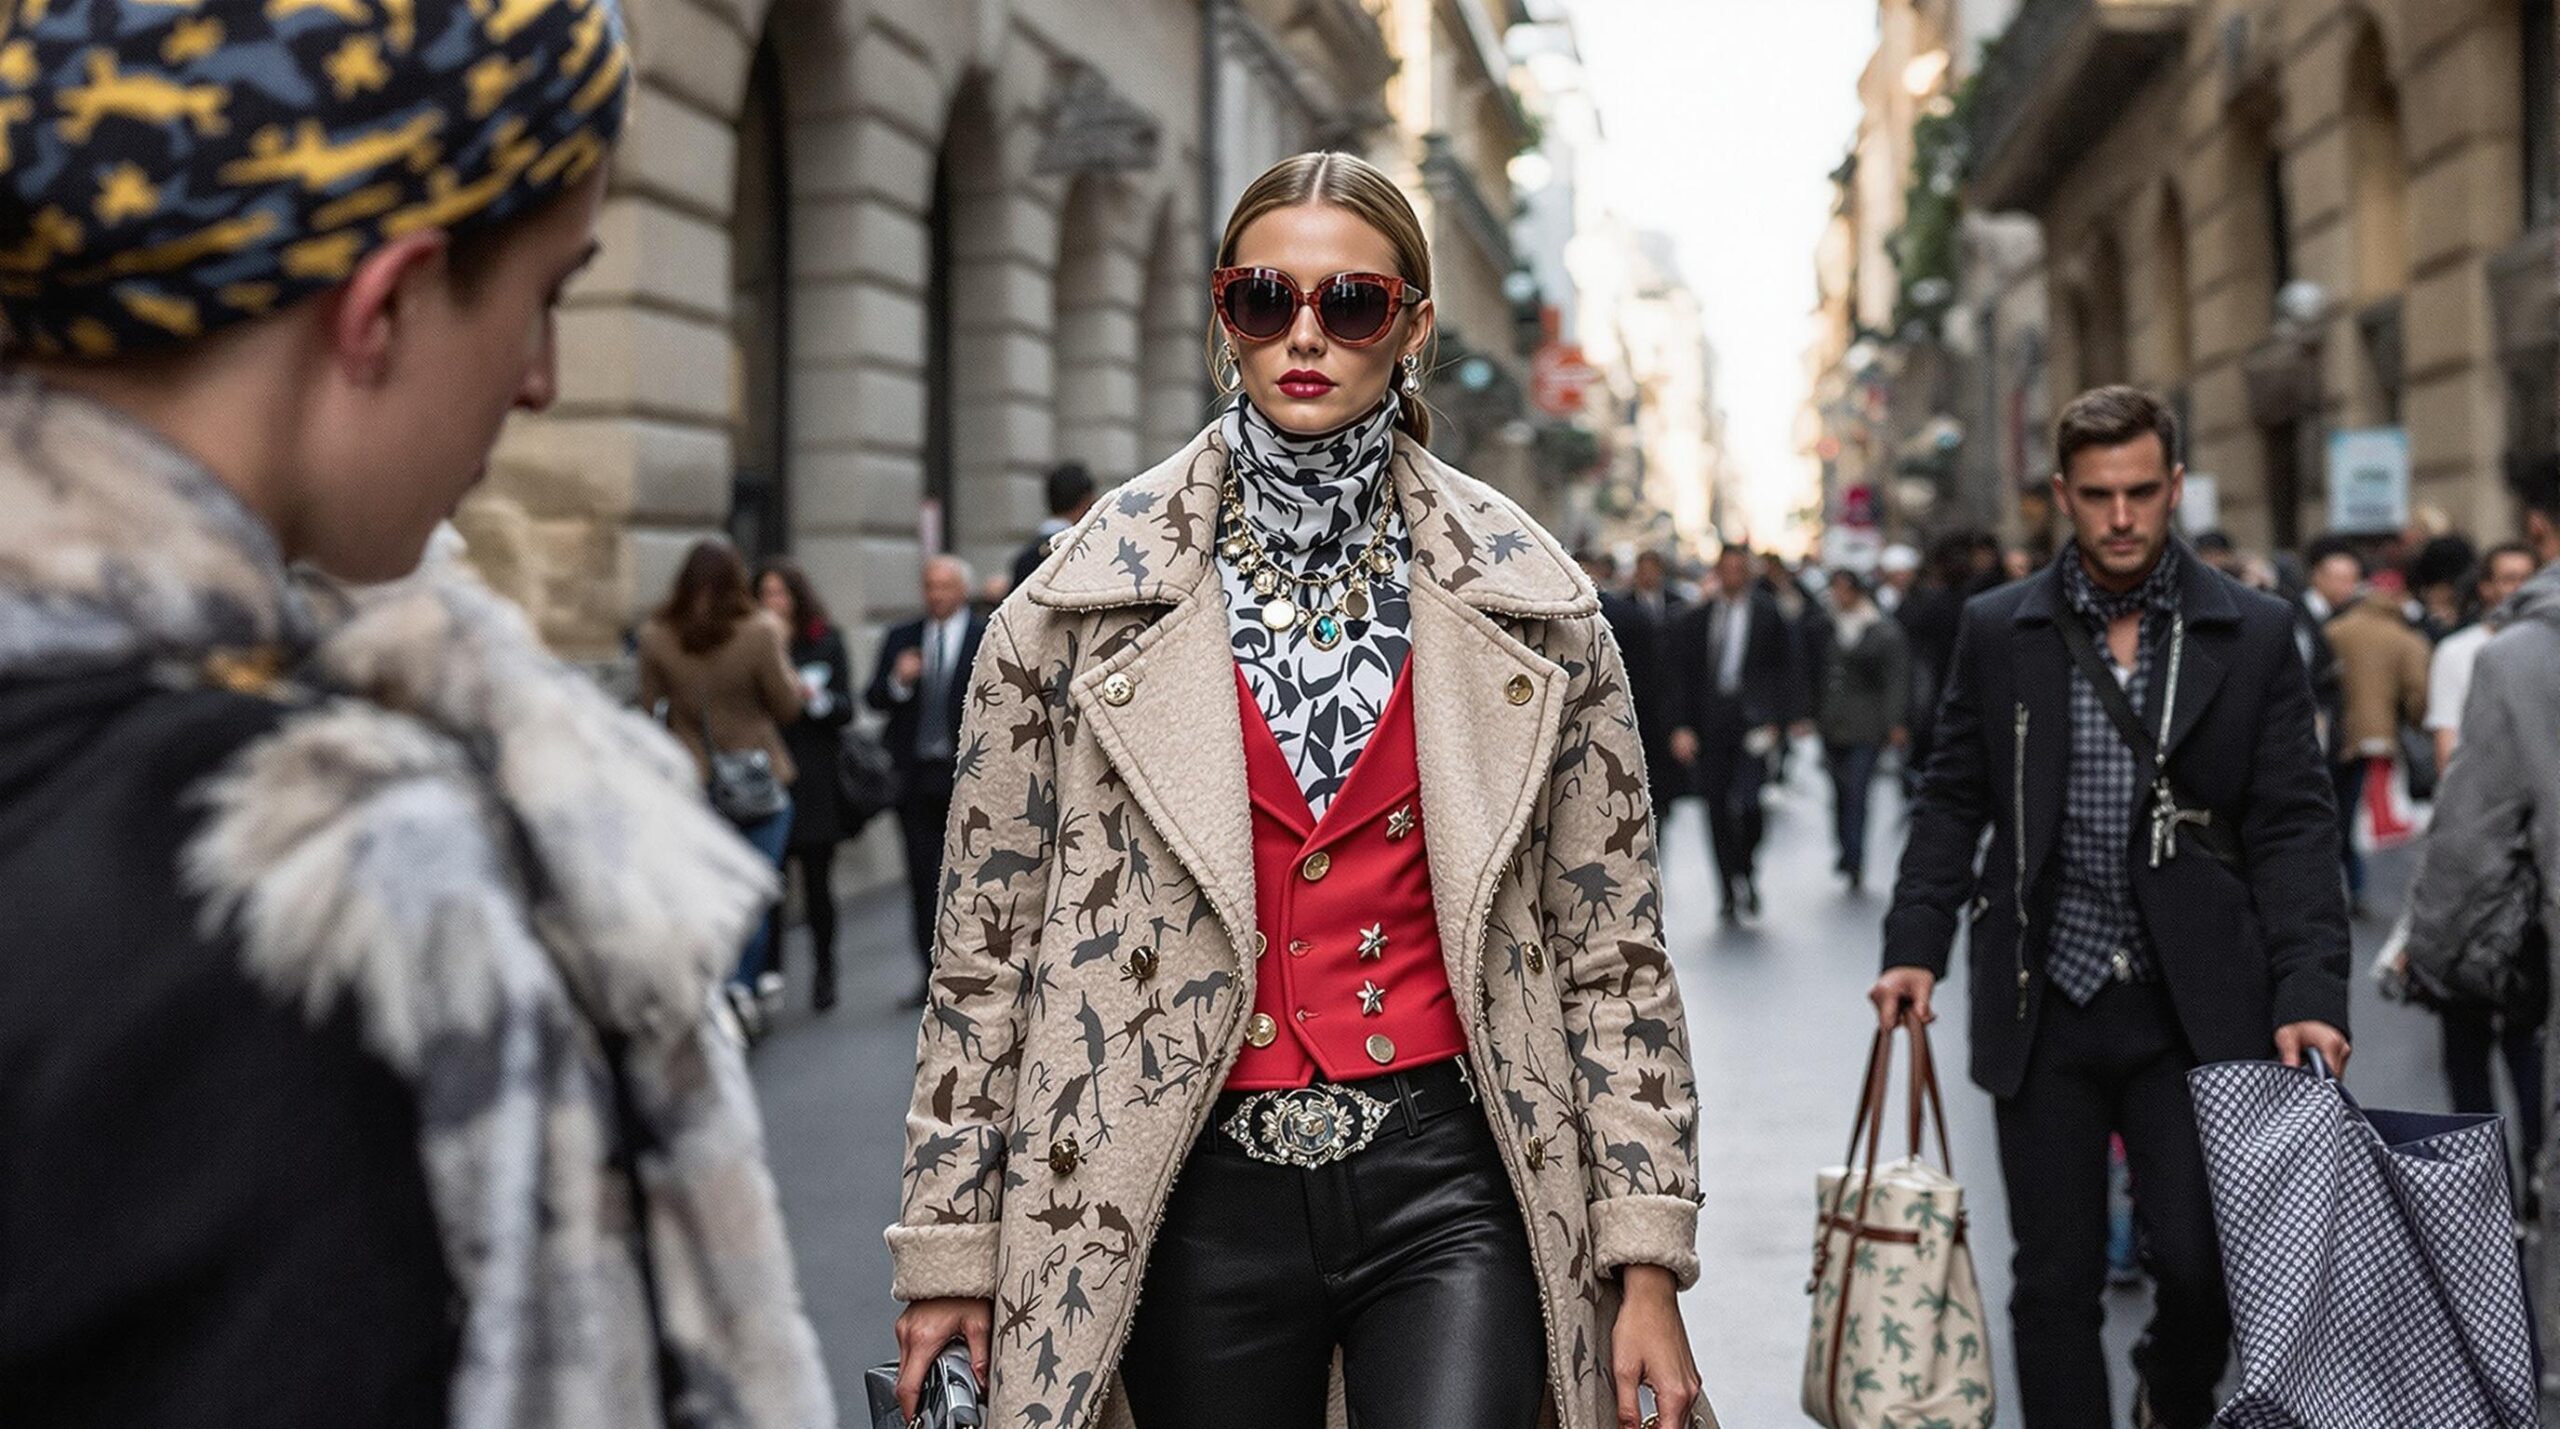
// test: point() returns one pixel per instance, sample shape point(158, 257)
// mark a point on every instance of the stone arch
point(2098, 313)
point(1173, 373)
point(1101, 294)
point(2172, 316)
point(2378, 169)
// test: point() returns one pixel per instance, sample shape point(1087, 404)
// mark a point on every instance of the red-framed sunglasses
point(1354, 309)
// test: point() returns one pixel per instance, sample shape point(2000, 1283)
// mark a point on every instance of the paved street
point(1780, 1032)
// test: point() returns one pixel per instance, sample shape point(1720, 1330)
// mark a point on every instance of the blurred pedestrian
point(2215, 549)
point(1658, 608)
point(2016, 564)
point(921, 681)
point(1070, 491)
point(718, 667)
point(2129, 920)
point(1247, 719)
point(2440, 581)
point(2500, 574)
point(1930, 617)
point(1732, 663)
point(1863, 686)
point(2382, 683)
point(1897, 570)
point(818, 825)
point(2500, 796)
point(356, 995)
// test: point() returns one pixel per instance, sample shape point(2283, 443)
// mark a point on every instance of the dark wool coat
point(1102, 810)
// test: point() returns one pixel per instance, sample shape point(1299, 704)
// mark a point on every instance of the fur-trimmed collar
point(1151, 541)
point(117, 548)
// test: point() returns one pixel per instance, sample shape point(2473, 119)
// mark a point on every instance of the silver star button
point(1373, 999)
point(1400, 822)
point(1373, 942)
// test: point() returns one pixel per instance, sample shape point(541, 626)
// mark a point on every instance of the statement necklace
point(1289, 598)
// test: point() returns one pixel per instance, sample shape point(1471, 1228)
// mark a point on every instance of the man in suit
point(2121, 936)
point(922, 681)
point(1731, 664)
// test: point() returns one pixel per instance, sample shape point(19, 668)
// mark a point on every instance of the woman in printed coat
point(1300, 1016)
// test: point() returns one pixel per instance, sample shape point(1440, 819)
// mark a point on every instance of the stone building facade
point(2296, 217)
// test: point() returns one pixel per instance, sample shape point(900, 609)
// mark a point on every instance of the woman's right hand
point(926, 1327)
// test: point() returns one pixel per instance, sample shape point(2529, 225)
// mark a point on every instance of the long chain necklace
point(1317, 603)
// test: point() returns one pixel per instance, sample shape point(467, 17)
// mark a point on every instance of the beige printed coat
point(1101, 813)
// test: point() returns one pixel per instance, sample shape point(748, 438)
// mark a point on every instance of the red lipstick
point(1304, 385)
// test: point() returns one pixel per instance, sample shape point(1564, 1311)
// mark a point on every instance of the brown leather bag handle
point(1870, 1118)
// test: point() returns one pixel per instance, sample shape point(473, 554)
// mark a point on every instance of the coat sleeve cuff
point(932, 1262)
point(1647, 1230)
point(1918, 937)
point(2311, 997)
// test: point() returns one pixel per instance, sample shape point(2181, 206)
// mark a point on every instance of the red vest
point(1351, 980)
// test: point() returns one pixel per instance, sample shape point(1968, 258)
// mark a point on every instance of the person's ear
point(364, 326)
point(1426, 320)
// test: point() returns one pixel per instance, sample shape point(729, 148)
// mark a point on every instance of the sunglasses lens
point(1260, 308)
point(1354, 309)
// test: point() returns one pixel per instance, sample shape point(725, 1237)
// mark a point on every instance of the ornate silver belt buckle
point(1306, 1126)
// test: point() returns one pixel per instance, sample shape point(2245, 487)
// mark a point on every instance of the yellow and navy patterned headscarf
point(170, 167)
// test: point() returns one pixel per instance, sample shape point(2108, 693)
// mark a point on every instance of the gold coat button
point(1382, 1048)
point(1537, 960)
point(1261, 942)
point(1537, 1153)
point(1519, 690)
point(1318, 864)
point(1142, 964)
point(1118, 688)
point(1063, 1155)
point(1261, 1031)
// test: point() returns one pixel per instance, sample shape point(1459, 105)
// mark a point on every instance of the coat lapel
point(2205, 596)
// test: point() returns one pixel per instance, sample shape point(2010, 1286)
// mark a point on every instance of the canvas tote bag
point(1898, 1339)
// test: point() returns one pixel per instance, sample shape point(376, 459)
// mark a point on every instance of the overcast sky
point(1725, 118)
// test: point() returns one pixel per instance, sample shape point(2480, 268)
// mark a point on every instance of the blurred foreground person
point(2498, 806)
point(2130, 921)
point(359, 953)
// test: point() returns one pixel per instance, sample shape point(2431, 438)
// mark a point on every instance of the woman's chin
point(1313, 416)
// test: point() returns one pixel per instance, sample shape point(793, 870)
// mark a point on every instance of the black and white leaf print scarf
point(1311, 500)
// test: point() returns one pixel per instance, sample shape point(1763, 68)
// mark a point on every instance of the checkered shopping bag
point(2370, 1257)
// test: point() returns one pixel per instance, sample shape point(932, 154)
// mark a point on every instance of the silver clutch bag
point(951, 1398)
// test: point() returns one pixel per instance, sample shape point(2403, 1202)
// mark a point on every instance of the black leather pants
point(1408, 1254)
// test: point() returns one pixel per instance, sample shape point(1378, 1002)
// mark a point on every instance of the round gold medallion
point(1264, 582)
point(1355, 601)
point(1382, 1048)
point(1280, 613)
point(1261, 1031)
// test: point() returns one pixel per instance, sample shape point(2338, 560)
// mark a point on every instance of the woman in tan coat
point(1302, 852)
point(718, 665)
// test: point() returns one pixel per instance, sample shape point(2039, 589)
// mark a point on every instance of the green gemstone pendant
point(1327, 632)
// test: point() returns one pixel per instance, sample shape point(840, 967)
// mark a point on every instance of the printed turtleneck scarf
point(1311, 501)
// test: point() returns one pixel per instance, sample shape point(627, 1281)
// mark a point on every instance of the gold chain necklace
point(1331, 597)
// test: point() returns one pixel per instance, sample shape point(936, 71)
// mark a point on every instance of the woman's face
point(1303, 380)
point(777, 598)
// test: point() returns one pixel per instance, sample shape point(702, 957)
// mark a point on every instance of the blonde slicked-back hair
point(1349, 182)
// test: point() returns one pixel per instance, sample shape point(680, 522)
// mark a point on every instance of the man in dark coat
point(1731, 663)
point(921, 680)
point(2118, 939)
point(1643, 619)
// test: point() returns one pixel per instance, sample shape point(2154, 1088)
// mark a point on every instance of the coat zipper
point(2018, 846)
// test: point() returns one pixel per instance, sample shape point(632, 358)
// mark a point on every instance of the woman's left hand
point(1651, 1346)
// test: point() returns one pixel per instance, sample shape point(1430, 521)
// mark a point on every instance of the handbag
point(950, 1399)
point(867, 782)
point(2497, 953)
point(1898, 1336)
point(744, 788)
point(2370, 1257)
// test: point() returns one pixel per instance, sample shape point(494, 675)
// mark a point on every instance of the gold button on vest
point(1318, 864)
point(1261, 1031)
point(1382, 1048)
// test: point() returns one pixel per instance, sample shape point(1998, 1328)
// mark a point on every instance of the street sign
point(1853, 548)
point(1858, 505)
point(2369, 480)
point(2200, 509)
point(1559, 377)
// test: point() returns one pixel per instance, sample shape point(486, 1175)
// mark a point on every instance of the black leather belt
point(1324, 1122)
